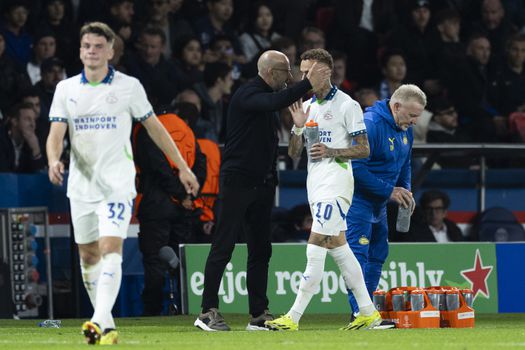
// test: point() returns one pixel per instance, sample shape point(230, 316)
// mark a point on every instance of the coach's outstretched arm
point(163, 140)
point(54, 148)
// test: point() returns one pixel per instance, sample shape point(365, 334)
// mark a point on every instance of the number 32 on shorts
point(116, 210)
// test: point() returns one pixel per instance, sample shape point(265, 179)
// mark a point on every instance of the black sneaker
point(211, 321)
point(257, 323)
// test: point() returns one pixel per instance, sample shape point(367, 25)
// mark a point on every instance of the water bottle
point(452, 297)
point(403, 217)
point(380, 300)
point(468, 296)
point(50, 324)
point(417, 299)
point(311, 133)
point(398, 300)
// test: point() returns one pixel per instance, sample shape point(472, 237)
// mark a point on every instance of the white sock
point(107, 290)
point(90, 275)
point(353, 276)
point(310, 280)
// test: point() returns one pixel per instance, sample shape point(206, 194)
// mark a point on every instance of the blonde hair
point(409, 92)
point(98, 28)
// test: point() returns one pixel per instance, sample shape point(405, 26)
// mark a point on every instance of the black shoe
point(257, 323)
point(211, 321)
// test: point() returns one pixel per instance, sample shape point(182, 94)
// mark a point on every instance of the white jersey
point(99, 119)
point(339, 118)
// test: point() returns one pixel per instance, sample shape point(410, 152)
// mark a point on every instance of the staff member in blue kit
point(383, 176)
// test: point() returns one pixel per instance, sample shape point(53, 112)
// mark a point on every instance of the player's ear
point(111, 53)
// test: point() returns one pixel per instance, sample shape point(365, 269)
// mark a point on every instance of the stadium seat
point(517, 124)
point(500, 225)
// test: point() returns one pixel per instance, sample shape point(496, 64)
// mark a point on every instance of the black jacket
point(250, 150)
point(158, 181)
point(26, 164)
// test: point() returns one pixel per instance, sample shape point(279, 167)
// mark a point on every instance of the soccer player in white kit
point(97, 106)
point(330, 186)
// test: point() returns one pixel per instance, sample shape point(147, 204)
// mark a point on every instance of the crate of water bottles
point(433, 307)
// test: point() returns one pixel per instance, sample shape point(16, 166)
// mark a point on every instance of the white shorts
point(329, 217)
point(107, 218)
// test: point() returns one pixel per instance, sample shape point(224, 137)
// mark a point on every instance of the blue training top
point(387, 166)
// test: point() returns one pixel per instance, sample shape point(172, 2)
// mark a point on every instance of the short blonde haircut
point(98, 28)
point(409, 92)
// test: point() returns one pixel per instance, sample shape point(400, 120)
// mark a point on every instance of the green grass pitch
point(504, 331)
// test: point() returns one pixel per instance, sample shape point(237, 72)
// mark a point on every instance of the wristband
point(297, 131)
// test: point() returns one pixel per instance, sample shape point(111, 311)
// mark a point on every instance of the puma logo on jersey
point(391, 140)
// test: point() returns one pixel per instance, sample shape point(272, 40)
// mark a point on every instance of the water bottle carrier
point(429, 316)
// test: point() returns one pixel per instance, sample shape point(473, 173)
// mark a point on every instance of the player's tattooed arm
point(295, 146)
point(360, 149)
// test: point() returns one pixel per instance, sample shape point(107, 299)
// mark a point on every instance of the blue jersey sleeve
point(406, 173)
point(366, 181)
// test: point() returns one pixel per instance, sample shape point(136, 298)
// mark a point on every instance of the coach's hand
point(56, 173)
point(318, 75)
point(402, 196)
point(189, 180)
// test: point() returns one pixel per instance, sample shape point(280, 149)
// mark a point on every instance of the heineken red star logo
point(478, 275)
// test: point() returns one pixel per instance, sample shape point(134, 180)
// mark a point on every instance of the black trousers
point(246, 210)
point(153, 235)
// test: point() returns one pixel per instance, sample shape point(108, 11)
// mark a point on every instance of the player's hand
point(189, 180)
point(402, 196)
point(298, 115)
point(56, 173)
point(319, 151)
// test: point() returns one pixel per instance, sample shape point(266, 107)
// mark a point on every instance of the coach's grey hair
point(408, 92)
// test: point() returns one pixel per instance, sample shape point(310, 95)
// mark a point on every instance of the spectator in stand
point(20, 150)
point(221, 50)
point(495, 26)
point(218, 82)
point(158, 75)
point(394, 69)
point(52, 71)
point(507, 87)
point(366, 97)
point(120, 19)
point(11, 78)
point(289, 48)
point(44, 47)
point(13, 28)
point(190, 96)
point(446, 45)
point(443, 127)
point(467, 82)
point(55, 20)
point(291, 16)
point(187, 53)
point(217, 22)
point(362, 26)
point(312, 38)
point(119, 48)
point(260, 34)
point(339, 73)
point(293, 225)
point(434, 226)
point(166, 16)
point(413, 40)
point(32, 96)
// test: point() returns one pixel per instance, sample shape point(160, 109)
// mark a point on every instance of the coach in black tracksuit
point(248, 179)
